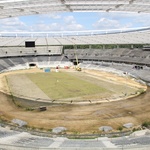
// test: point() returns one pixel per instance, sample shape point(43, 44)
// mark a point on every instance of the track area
point(82, 118)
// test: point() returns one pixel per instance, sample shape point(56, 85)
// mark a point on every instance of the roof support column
point(103, 46)
point(90, 46)
point(132, 46)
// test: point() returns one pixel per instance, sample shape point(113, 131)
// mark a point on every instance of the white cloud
point(46, 27)
point(52, 16)
point(74, 27)
point(105, 23)
point(127, 19)
point(63, 22)
point(69, 20)
point(71, 24)
point(67, 23)
point(56, 27)
point(12, 24)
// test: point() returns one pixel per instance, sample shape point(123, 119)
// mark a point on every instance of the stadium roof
point(13, 8)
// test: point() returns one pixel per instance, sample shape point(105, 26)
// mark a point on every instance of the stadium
point(74, 89)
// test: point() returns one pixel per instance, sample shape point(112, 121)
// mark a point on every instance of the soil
point(79, 118)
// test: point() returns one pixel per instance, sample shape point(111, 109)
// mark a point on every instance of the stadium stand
point(142, 74)
point(132, 56)
point(22, 140)
point(23, 51)
point(137, 36)
point(121, 59)
point(12, 63)
point(131, 142)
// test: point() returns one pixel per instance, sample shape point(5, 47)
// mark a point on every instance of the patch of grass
point(120, 128)
point(18, 104)
point(33, 128)
point(29, 109)
point(41, 128)
point(50, 130)
point(136, 129)
point(63, 85)
point(146, 124)
point(141, 91)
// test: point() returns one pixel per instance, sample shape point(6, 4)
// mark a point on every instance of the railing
point(71, 33)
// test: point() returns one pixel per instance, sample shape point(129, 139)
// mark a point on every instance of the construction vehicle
point(78, 68)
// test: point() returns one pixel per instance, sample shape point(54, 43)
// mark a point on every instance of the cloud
point(71, 24)
point(74, 22)
point(126, 19)
point(12, 24)
point(74, 27)
point(45, 27)
point(69, 20)
point(52, 16)
point(105, 23)
point(67, 23)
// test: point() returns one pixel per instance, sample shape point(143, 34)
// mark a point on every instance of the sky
point(75, 21)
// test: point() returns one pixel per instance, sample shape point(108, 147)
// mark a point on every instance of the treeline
point(100, 46)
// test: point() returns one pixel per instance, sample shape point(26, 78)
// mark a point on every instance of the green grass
point(64, 85)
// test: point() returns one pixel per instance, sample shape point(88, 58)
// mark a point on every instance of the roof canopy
point(12, 8)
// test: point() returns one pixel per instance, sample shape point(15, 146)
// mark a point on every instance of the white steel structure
point(141, 36)
point(12, 8)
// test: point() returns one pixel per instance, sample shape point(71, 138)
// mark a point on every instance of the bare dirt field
point(81, 118)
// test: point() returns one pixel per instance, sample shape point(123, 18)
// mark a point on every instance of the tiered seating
point(82, 143)
point(4, 133)
point(131, 142)
point(143, 74)
point(86, 38)
point(137, 56)
point(52, 41)
point(16, 41)
point(17, 60)
point(28, 59)
point(22, 51)
point(4, 63)
point(8, 61)
point(16, 63)
point(43, 58)
point(34, 141)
